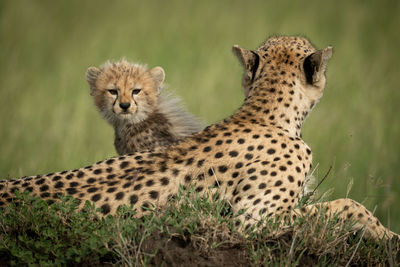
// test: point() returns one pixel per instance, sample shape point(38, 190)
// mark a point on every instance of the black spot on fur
point(45, 195)
point(97, 171)
point(248, 156)
point(246, 187)
point(133, 199)
point(124, 164)
point(276, 197)
point(219, 142)
point(239, 165)
point(38, 182)
point(251, 170)
point(137, 187)
point(71, 191)
point(189, 161)
point(199, 189)
point(145, 206)
point(73, 184)
point(164, 181)
point(207, 149)
point(175, 172)
point(92, 190)
point(96, 197)
point(110, 176)
point(153, 194)
point(233, 153)
point(111, 190)
point(219, 155)
point(59, 185)
point(56, 178)
point(105, 209)
point(44, 188)
point(110, 161)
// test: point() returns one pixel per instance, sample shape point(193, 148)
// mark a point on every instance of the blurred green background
point(49, 123)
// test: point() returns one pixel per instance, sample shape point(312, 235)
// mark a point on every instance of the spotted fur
point(255, 159)
point(130, 98)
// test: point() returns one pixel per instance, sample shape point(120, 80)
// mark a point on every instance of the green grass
point(48, 122)
point(190, 230)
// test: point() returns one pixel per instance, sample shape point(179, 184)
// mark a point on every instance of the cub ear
point(315, 65)
point(91, 76)
point(158, 75)
point(249, 60)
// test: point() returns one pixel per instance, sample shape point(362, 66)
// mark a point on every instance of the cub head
point(125, 91)
point(290, 66)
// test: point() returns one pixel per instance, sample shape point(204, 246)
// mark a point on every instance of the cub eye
point(136, 91)
point(113, 92)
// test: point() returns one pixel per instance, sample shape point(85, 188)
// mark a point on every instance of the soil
point(179, 252)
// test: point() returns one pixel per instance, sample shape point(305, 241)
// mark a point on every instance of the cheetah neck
point(151, 120)
point(279, 107)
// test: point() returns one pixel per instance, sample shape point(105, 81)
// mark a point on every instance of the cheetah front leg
point(348, 209)
point(262, 204)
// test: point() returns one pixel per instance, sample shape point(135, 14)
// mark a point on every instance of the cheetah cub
point(129, 97)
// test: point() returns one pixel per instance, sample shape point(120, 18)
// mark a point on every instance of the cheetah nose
point(124, 106)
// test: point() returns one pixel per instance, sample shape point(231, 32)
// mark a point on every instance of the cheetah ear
point(91, 77)
point(249, 60)
point(158, 75)
point(315, 65)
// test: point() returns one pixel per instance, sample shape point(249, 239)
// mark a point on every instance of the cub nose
point(124, 106)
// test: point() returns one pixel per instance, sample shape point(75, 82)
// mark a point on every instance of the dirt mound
point(179, 251)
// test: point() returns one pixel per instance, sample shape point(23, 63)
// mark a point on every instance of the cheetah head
point(285, 63)
point(125, 91)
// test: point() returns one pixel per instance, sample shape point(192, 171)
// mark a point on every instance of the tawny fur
point(255, 159)
point(153, 118)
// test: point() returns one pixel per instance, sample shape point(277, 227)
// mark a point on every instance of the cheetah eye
point(136, 91)
point(113, 92)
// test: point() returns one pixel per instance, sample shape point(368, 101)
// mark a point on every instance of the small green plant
point(35, 232)
point(191, 229)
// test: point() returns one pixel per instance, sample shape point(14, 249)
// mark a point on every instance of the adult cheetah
point(255, 158)
point(130, 98)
